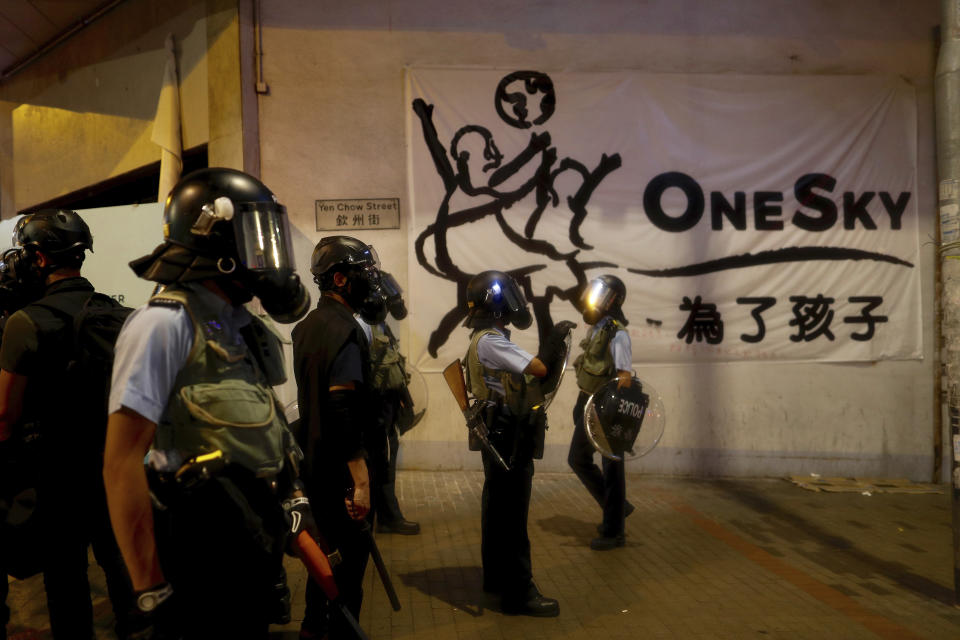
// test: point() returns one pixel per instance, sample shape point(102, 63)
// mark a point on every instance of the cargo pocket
point(231, 403)
point(389, 373)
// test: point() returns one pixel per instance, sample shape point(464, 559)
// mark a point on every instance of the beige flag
point(166, 125)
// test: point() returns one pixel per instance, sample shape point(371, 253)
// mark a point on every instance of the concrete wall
point(333, 124)
point(84, 112)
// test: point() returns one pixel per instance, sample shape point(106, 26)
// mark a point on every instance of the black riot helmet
point(495, 295)
point(230, 216)
point(604, 296)
point(360, 265)
point(60, 234)
point(223, 223)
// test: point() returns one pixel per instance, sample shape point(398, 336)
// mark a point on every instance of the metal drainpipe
point(947, 95)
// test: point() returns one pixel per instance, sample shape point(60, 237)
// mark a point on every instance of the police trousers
point(382, 460)
point(504, 543)
point(221, 547)
point(342, 534)
point(76, 518)
point(609, 487)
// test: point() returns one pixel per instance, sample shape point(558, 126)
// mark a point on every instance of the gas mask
point(364, 296)
point(282, 295)
point(393, 295)
point(21, 280)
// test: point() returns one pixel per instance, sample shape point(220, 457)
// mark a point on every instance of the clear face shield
point(598, 298)
point(263, 237)
point(371, 259)
point(264, 247)
point(511, 297)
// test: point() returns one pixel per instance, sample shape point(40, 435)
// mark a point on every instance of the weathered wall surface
point(333, 126)
point(84, 112)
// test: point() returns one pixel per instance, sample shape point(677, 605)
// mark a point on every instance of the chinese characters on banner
point(751, 217)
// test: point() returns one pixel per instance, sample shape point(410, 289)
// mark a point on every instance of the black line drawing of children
point(524, 100)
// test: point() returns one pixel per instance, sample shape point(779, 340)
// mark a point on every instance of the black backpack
point(95, 327)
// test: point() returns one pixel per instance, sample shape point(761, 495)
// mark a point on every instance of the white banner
point(120, 234)
point(751, 217)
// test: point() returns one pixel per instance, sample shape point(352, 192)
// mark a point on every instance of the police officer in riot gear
point(606, 354)
point(37, 392)
point(20, 546)
point(505, 378)
point(331, 356)
point(389, 380)
point(192, 387)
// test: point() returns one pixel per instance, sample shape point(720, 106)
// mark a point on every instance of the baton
point(318, 566)
point(381, 567)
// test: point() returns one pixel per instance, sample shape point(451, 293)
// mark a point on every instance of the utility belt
point(516, 437)
point(170, 487)
point(211, 479)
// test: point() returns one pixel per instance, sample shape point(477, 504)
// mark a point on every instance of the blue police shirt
point(496, 351)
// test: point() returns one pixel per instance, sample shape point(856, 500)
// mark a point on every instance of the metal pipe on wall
point(947, 105)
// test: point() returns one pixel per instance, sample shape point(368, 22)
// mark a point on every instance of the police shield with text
point(506, 381)
point(204, 526)
point(617, 417)
point(624, 422)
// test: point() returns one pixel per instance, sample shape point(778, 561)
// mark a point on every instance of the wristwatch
point(150, 599)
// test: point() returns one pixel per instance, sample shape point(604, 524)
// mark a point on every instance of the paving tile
point(704, 559)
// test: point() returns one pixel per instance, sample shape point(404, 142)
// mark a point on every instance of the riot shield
point(551, 385)
point(624, 422)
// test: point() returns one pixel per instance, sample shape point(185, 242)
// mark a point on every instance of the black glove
point(155, 616)
point(552, 349)
point(552, 352)
point(299, 518)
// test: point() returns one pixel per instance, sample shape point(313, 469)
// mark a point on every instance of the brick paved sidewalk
point(704, 559)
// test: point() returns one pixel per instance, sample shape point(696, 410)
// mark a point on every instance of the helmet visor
point(598, 296)
point(263, 236)
point(369, 258)
point(509, 293)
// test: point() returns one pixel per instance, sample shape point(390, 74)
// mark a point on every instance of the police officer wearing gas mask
point(204, 526)
point(396, 413)
point(19, 463)
point(39, 392)
point(606, 354)
point(508, 380)
point(331, 358)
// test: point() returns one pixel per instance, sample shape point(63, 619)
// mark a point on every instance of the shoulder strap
point(610, 329)
point(70, 313)
point(177, 299)
point(472, 349)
